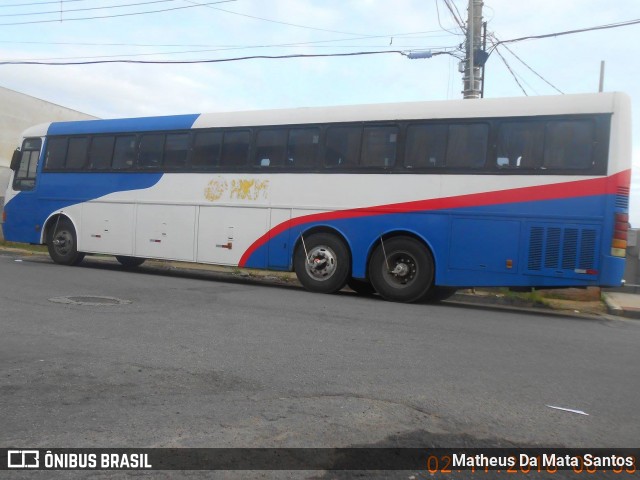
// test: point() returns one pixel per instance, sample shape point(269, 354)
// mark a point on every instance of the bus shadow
point(286, 281)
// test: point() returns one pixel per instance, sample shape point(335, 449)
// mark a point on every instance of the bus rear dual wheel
point(322, 263)
point(401, 272)
point(401, 269)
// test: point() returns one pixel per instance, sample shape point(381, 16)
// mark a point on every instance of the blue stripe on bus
point(55, 191)
point(122, 125)
point(503, 235)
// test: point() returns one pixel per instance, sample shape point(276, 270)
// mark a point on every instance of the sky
point(188, 30)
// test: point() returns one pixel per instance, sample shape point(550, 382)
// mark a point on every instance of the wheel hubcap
point(63, 242)
point(321, 263)
point(403, 269)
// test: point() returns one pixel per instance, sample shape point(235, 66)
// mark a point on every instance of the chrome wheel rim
point(321, 263)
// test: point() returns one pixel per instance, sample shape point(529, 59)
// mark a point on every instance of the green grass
point(24, 246)
point(533, 297)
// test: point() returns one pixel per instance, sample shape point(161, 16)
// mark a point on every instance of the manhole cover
point(90, 300)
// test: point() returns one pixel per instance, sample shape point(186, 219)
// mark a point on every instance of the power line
point(439, 23)
point(499, 43)
point(221, 47)
point(569, 32)
point(407, 36)
point(38, 3)
point(456, 8)
point(313, 44)
point(114, 16)
point(531, 69)
point(270, 20)
point(92, 57)
point(287, 45)
point(456, 14)
point(511, 71)
point(56, 12)
point(220, 60)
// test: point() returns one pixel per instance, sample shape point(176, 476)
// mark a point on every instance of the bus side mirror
point(15, 160)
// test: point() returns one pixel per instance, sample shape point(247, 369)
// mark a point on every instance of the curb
point(467, 300)
point(612, 307)
point(615, 309)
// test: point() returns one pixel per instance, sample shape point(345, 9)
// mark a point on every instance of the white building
point(18, 112)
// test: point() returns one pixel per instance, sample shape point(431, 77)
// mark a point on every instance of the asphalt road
point(207, 360)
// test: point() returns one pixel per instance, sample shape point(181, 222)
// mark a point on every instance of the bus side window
point(342, 146)
point(56, 153)
point(569, 145)
point(467, 145)
point(176, 149)
point(270, 148)
point(302, 149)
point(100, 152)
point(520, 145)
point(426, 146)
point(206, 150)
point(77, 153)
point(379, 146)
point(150, 153)
point(124, 152)
point(235, 148)
point(25, 177)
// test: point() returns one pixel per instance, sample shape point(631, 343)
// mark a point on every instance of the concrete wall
point(632, 267)
point(4, 181)
point(19, 111)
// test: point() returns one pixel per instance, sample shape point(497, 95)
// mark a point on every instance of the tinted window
point(426, 146)
point(467, 145)
point(270, 148)
point(302, 148)
point(520, 145)
point(235, 148)
point(342, 146)
point(150, 154)
point(176, 149)
point(569, 145)
point(379, 146)
point(100, 153)
point(77, 153)
point(25, 176)
point(206, 150)
point(124, 152)
point(56, 153)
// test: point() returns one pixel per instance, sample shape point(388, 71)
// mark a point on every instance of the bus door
point(20, 209)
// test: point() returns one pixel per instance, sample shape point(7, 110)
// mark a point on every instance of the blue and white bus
point(408, 200)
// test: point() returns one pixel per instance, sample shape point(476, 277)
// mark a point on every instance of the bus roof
point(487, 108)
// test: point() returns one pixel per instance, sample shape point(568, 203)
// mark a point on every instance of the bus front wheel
point(322, 263)
point(401, 269)
point(62, 243)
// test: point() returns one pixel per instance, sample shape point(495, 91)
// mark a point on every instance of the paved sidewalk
point(623, 304)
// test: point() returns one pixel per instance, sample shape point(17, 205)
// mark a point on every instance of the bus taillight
point(619, 240)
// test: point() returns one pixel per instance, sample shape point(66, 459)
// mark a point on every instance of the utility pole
point(601, 86)
point(475, 55)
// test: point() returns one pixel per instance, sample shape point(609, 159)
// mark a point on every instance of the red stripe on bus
point(555, 191)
